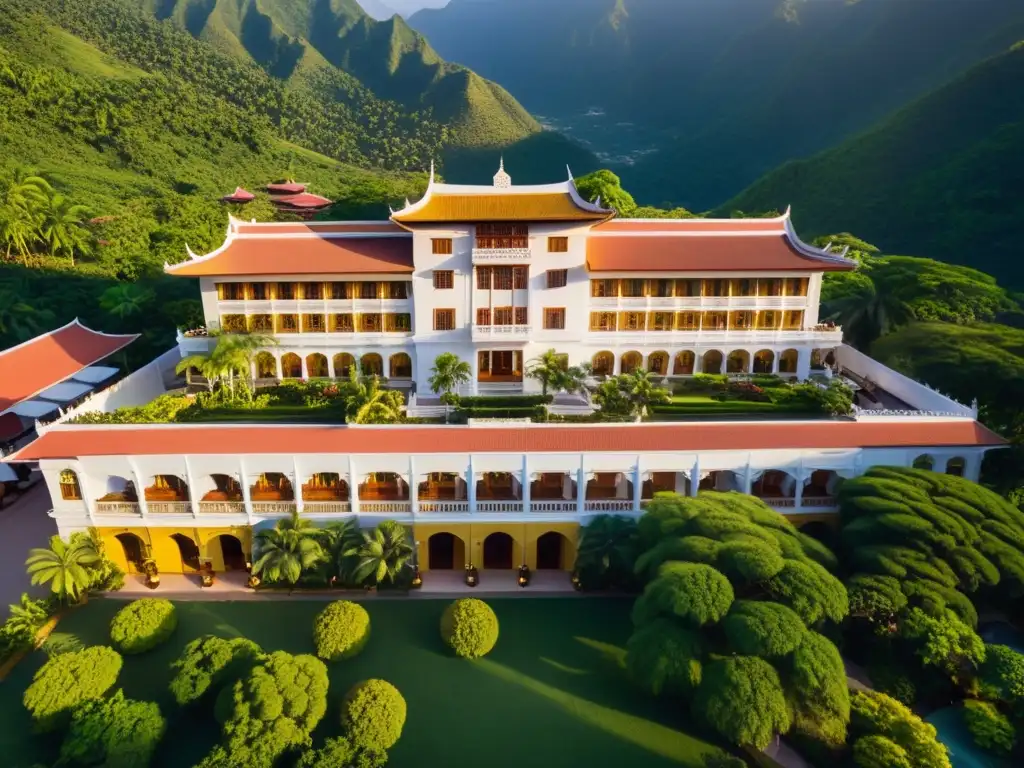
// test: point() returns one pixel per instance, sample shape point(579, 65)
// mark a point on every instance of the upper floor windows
point(558, 245)
point(231, 291)
point(313, 290)
point(444, 319)
point(286, 291)
point(441, 246)
point(69, 488)
point(444, 279)
point(692, 288)
point(738, 320)
point(502, 278)
point(557, 278)
point(554, 318)
point(493, 236)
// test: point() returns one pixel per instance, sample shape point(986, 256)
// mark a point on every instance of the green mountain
point(941, 177)
point(690, 101)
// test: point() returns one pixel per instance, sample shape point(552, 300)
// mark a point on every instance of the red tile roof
point(291, 255)
point(70, 441)
point(669, 226)
point(290, 188)
point(239, 196)
point(303, 200)
point(702, 253)
point(35, 365)
point(276, 229)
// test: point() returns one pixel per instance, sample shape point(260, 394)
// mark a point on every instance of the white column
point(87, 500)
point(526, 483)
point(253, 371)
point(246, 495)
point(803, 363)
point(280, 369)
point(475, 365)
point(776, 354)
point(581, 488)
point(140, 489)
point(330, 365)
point(695, 476)
point(192, 500)
point(748, 481)
point(751, 366)
point(698, 362)
point(680, 483)
point(414, 488)
point(637, 485)
point(798, 494)
point(305, 368)
point(471, 485)
point(297, 482)
point(567, 487)
point(617, 368)
point(353, 485)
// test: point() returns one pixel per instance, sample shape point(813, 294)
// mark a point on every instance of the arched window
point(69, 488)
point(657, 363)
point(272, 486)
point(924, 461)
point(291, 366)
point(266, 366)
point(631, 361)
point(763, 361)
point(372, 364)
point(316, 366)
point(400, 366)
point(738, 361)
point(343, 361)
point(683, 365)
point(788, 361)
point(712, 362)
point(603, 364)
point(956, 466)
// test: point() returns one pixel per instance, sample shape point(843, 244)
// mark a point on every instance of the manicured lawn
point(696, 405)
point(552, 692)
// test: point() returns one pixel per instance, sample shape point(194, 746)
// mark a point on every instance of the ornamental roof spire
point(501, 179)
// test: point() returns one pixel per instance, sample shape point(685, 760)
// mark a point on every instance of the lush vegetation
point(341, 630)
point(114, 732)
point(469, 627)
point(885, 733)
point(731, 619)
point(142, 625)
point(373, 714)
point(73, 567)
point(66, 681)
point(207, 663)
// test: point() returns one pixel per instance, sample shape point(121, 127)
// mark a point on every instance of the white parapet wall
point(915, 394)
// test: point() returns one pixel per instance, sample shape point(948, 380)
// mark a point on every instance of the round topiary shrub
point(469, 627)
point(373, 714)
point(142, 625)
point(341, 630)
point(67, 680)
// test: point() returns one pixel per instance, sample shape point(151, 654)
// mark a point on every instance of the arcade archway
point(498, 551)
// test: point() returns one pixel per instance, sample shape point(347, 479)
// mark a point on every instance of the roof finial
point(501, 179)
point(567, 168)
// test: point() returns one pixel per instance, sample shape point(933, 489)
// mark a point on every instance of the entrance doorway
point(441, 552)
point(500, 365)
point(232, 552)
point(133, 551)
point(549, 552)
point(189, 552)
point(498, 551)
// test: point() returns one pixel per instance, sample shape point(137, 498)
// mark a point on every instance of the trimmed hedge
point(506, 401)
point(341, 630)
point(373, 714)
point(115, 732)
point(530, 412)
point(66, 681)
point(142, 625)
point(209, 662)
point(469, 627)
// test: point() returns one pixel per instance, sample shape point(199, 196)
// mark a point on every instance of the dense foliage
point(730, 616)
point(883, 729)
point(469, 627)
point(67, 680)
point(373, 714)
point(339, 752)
point(143, 624)
point(608, 548)
point(114, 733)
point(989, 728)
point(209, 662)
point(341, 630)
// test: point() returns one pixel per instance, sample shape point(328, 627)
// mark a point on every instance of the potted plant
point(524, 575)
point(417, 578)
point(152, 573)
point(206, 574)
point(472, 577)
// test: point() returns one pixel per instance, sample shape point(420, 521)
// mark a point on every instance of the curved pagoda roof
point(469, 203)
point(240, 195)
point(286, 188)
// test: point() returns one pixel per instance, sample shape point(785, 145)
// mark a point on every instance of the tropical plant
point(209, 662)
point(341, 630)
point(22, 194)
point(287, 549)
point(631, 393)
point(368, 402)
point(447, 375)
point(26, 618)
point(339, 752)
point(114, 732)
point(869, 313)
point(337, 539)
point(142, 625)
point(607, 552)
point(469, 627)
point(126, 299)
point(67, 680)
point(989, 727)
point(19, 319)
point(874, 714)
point(62, 227)
point(373, 714)
point(384, 554)
point(548, 370)
point(1000, 678)
point(232, 356)
point(65, 567)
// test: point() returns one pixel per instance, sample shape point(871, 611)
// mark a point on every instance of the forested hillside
point(722, 91)
point(941, 177)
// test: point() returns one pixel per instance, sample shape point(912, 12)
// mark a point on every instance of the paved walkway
point(24, 524)
point(436, 584)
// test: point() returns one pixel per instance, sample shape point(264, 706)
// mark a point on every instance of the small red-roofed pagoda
point(303, 204)
point(239, 196)
point(286, 188)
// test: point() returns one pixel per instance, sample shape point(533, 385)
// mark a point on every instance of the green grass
point(693, 405)
point(272, 413)
point(552, 693)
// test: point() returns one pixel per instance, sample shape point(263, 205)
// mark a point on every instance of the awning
point(65, 392)
point(33, 409)
point(94, 374)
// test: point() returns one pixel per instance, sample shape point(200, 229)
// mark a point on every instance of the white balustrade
point(326, 507)
point(222, 507)
point(779, 503)
point(385, 507)
point(552, 506)
point(607, 505)
point(169, 507)
point(500, 254)
point(499, 506)
point(818, 501)
point(117, 508)
point(273, 507)
point(443, 506)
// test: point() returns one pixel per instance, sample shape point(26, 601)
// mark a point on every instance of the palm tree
point(367, 402)
point(65, 567)
point(232, 354)
point(18, 318)
point(549, 370)
point(642, 392)
point(125, 299)
point(383, 554)
point(26, 618)
point(448, 373)
point(62, 229)
point(286, 550)
point(22, 195)
point(337, 539)
point(868, 314)
point(608, 547)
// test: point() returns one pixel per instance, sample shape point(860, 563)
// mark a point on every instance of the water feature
point(963, 752)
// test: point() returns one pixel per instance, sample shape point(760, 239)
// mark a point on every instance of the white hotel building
point(496, 275)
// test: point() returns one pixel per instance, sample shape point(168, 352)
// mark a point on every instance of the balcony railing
point(385, 507)
point(169, 507)
point(552, 506)
point(444, 506)
point(501, 332)
point(500, 254)
point(326, 507)
point(818, 501)
point(117, 508)
point(273, 507)
point(607, 505)
point(779, 503)
point(697, 302)
point(825, 336)
point(222, 507)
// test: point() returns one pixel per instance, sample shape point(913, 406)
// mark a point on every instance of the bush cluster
point(115, 732)
point(469, 627)
point(143, 624)
point(209, 662)
point(507, 401)
point(989, 728)
point(884, 733)
point(341, 630)
point(373, 714)
point(67, 680)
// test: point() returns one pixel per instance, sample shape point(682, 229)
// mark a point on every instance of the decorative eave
point(835, 260)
